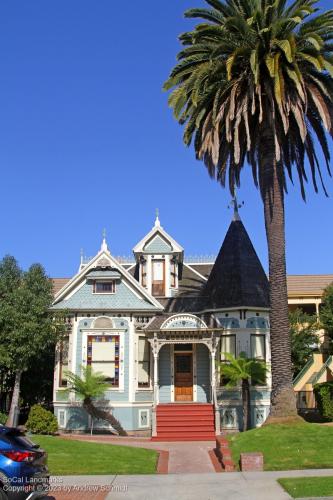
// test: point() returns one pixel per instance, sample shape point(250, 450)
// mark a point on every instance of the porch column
point(156, 387)
point(213, 388)
point(155, 346)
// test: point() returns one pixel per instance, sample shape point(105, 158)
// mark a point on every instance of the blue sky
point(87, 141)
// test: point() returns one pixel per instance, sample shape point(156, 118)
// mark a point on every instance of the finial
point(157, 220)
point(236, 206)
point(104, 245)
point(81, 255)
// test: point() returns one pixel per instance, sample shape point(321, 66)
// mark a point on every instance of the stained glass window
point(103, 356)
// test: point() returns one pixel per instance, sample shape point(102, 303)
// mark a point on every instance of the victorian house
point(158, 329)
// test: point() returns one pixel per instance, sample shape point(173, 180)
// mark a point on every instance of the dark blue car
point(23, 467)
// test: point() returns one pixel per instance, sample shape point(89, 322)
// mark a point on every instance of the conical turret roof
point(237, 278)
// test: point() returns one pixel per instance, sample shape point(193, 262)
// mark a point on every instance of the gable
point(124, 298)
point(80, 292)
point(157, 245)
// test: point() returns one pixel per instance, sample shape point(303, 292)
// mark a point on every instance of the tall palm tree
point(254, 85)
point(91, 386)
point(242, 370)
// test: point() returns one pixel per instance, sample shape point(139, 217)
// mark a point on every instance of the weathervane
point(236, 206)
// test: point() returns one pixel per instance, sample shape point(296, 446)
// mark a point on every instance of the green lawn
point(297, 446)
point(67, 457)
point(308, 486)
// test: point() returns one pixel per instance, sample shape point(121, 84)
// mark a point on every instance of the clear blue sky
point(87, 141)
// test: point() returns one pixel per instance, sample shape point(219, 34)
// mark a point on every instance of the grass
point(69, 457)
point(286, 446)
point(308, 486)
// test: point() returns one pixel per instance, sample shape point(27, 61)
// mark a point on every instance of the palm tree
point(89, 387)
point(254, 85)
point(242, 370)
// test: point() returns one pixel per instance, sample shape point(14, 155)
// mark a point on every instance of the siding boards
point(203, 379)
point(165, 374)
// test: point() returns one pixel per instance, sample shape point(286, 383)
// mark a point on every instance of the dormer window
point(158, 278)
point(143, 265)
point(105, 286)
point(173, 272)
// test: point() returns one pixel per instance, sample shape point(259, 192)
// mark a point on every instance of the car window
point(18, 440)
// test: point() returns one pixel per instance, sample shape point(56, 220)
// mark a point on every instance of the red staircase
point(185, 422)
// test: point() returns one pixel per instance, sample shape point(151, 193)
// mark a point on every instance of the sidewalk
point(207, 486)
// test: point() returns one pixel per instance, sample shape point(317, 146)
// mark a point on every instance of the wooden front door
point(183, 377)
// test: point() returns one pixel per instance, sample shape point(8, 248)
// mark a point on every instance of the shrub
point(3, 418)
point(324, 398)
point(41, 421)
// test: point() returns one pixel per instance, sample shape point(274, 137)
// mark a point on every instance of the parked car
point(24, 474)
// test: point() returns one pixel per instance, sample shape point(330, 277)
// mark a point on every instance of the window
point(144, 420)
point(227, 345)
point(258, 350)
point(173, 265)
point(143, 273)
point(62, 418)
point(104, 287)
point(158, 286)
point(103, 356)
point(143, 362)
point(63, 362)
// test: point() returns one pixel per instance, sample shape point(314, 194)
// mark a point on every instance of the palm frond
point(252, 65)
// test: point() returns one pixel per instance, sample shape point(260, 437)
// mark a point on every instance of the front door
point(183, 377)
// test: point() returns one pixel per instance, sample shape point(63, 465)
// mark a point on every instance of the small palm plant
point(242, 370)
point(91, 386)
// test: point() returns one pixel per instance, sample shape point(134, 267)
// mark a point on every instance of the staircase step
point(184, 413)
point(185, 422)
point(205, 420)
point(185, 408)
point(183, 431)
point(194, 437)
point(192, 413)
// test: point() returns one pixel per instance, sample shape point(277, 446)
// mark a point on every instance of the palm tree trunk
point(246, 404)
point(283, 401)
point(95, 412)
point(14, 405)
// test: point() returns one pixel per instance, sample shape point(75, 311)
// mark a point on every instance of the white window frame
point(59, 371)
point(120, 333)
point(146, 410)
point(64, 413)
point(150, 386)
point(113, 281)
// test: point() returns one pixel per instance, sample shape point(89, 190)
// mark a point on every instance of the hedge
point(324, 398)
point(41, 421)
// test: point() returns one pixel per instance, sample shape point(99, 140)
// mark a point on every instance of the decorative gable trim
point(158, 230)
point(158, 245)
point(182, 322)
point(105, 259)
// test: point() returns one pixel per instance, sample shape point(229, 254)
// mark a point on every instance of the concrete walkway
point(209, 486)
point(184, 456)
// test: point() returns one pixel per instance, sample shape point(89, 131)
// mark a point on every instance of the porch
point(184, 389)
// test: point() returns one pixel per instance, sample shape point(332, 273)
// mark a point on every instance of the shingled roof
point(237, 278)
